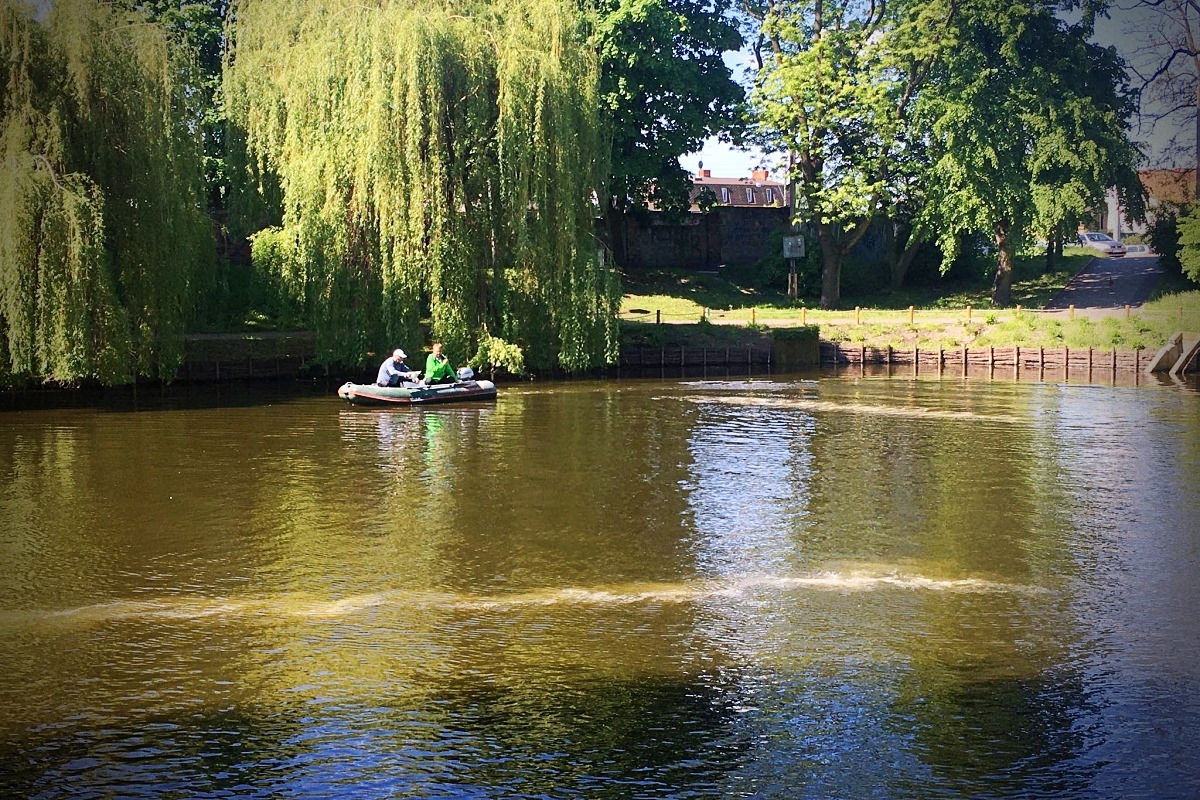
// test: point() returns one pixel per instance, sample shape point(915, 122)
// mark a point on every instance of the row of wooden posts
point(1064, 360)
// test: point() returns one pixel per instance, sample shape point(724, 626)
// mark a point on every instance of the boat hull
point(369, 394)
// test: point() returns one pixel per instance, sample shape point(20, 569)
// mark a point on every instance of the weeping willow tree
point(435, 158)
point(100, 180)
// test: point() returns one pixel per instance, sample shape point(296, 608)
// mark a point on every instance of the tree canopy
point(834, 93)
point(1027, 122)
point(435, 158)
point(103, 229)
point(665, 89)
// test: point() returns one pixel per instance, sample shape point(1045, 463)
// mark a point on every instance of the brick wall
point(725, 235)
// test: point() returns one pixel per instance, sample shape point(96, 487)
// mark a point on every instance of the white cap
point(400, 354)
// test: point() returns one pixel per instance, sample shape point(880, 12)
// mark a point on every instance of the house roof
point(1176, 185)
point(758, 190)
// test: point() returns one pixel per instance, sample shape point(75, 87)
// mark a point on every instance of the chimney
point(706, 173)
point(759, 174)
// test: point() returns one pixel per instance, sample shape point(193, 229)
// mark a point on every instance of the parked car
point(1102, 243)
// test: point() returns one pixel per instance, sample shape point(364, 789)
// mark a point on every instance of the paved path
point(1110, 283)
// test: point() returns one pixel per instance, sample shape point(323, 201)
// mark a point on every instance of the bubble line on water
point(851, 408)
point(308, 607)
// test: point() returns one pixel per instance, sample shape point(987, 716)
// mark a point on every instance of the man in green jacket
point(437, 367)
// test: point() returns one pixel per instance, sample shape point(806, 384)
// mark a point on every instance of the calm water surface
point(833, 587)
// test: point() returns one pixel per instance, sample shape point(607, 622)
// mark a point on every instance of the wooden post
point(803, 315)
point(916, 361)
point(1071, 311)
point(910, 315)
point(1114, 366)
point(752, 310)
point(968, 313)
point(1066, 364)
point(857, 315)
point(1018, 311)
point(964, 355)
point(1126, 312)
point(1017, 363)
point(658, 316)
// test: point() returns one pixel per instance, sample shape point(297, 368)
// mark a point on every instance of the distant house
point(757, 191)
point(740, 228)
point(1163, 186)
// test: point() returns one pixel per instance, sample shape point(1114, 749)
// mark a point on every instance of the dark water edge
point(256, 391)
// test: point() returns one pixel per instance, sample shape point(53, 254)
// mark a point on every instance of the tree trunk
point(1002, 286)
point(891, 253)
point(905, 257)
point(831, 268)
point(618, 235)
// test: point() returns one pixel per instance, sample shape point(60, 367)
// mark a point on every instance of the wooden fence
point(1092, 362)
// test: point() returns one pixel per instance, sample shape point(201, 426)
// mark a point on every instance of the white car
point(1101, 243)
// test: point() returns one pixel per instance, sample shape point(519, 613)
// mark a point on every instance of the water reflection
point(771, 588)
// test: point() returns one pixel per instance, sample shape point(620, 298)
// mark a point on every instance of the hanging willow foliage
point(100, 187)
point(435, 157)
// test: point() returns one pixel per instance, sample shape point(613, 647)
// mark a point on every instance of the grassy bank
point(957, 316)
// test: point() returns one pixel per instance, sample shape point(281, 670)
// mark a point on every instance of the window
point(725, 195)
point(749, 194)
point(770, 195)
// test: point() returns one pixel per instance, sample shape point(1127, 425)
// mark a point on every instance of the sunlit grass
point(956, 319)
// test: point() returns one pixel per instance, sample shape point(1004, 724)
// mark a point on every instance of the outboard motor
point(465, 373)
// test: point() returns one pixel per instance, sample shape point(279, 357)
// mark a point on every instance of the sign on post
point(793, 247)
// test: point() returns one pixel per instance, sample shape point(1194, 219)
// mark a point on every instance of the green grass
point(949, 317)
point(680, 296)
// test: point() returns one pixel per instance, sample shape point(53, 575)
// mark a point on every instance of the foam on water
point(807, 404)
point(304, 606)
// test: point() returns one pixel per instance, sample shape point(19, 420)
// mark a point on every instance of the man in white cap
point(393, 370)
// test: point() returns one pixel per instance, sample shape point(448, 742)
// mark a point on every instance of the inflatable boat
point(371, 395)
point(412, 394)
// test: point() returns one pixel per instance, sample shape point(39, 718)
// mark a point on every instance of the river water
point(780, 587)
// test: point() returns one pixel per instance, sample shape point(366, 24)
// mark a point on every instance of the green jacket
point(437, 370)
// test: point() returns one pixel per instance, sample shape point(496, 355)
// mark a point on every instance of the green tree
point(665, 89)
point(197, 29)
point(434, 158)
point(1026, 121)
point(103, 233)
point(834, 92)
point(1188, 251)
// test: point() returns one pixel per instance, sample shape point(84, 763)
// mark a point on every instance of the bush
point(770, 273)
point(800, 333)
point(1164, 239)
